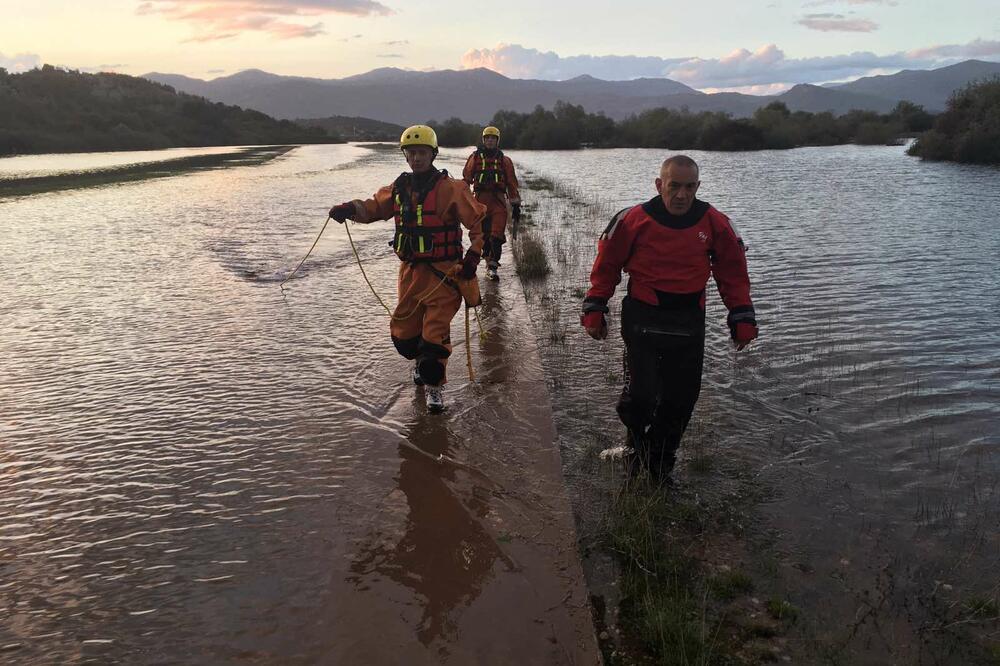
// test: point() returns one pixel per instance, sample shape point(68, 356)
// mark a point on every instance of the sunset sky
point(752, 46)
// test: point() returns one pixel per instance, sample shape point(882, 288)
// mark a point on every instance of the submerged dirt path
point(471, 555)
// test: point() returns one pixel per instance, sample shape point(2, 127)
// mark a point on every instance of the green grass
point(982, 608)
point(663, 601)
point(781, 609)
point(728, 585)
point(532, 261)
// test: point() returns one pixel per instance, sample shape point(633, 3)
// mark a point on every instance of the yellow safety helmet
point(491, 131)
point(419, 135)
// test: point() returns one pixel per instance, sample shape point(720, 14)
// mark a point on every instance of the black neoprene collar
point(656, 209)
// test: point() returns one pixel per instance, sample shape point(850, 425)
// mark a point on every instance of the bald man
point(669, 246)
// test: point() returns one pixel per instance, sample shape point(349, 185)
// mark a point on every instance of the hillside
point(53, 110)
point(928, 88)
point(402, 97)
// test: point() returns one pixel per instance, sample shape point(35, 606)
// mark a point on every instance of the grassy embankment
point(134, 172)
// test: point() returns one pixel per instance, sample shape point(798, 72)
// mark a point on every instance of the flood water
point(201, 467)
point(868, 413)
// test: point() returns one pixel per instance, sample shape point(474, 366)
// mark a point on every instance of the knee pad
point(431, 370)
point(408, 348)
point(431, 350)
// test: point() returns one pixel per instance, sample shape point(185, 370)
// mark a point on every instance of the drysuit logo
point(703, 237)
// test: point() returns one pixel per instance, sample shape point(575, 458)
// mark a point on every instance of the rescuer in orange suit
point(429, 208)
point(491, 175)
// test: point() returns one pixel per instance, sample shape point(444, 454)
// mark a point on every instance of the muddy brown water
point(200, 467)
point(866, 420)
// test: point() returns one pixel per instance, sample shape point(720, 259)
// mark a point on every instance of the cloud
point(102, 68)
point(225, 19)
point(767, 68)
point(837, 23)
point(978, 48)
point(21, 62)
point(396, 42)
point(769, 65)
point(516, 61)
point(389, 55)
point(818, 3)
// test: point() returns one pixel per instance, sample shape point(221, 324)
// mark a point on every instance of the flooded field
point(855, 447)
point(201, 467)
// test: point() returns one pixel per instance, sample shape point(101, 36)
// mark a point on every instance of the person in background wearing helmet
point(669, 246)
point(430, 208)
point(491, 175)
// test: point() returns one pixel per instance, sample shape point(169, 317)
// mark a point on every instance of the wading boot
point(491, 271)
point(417, 379)
point(435, 399)
point(634, 454)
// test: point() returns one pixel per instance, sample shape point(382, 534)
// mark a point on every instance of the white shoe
point(491, 274)
point(435, 399)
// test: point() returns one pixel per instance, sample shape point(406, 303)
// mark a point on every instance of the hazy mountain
point(929, 88)
point(402, 97)
point(399, 96)
point(816, 99)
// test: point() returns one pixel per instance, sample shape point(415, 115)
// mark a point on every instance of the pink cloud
point(225, 19)
point(837, 23)
point(766, 69)
point(978, 48)
point(519, 62)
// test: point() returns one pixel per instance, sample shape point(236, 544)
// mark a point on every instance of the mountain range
point(402, 97)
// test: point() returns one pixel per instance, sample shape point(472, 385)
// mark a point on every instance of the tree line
point(568, 126)
point(55, 110)
point(968, 130)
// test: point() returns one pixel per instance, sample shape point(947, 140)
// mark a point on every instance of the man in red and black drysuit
point(669, 246)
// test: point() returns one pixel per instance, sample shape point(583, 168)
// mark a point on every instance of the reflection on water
point(868, 410)
point(28, 166)
point(438, 523)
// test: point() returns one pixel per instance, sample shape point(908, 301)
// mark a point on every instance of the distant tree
point(968, 130)
point(456, 133)
point(912, 117)
point(723, 133)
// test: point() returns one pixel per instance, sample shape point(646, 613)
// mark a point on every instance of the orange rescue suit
point(491, 175)
point(421, 323)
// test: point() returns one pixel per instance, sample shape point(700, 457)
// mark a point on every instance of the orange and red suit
point(491, 175)
point(430, 210)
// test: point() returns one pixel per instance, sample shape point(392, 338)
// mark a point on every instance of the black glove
point(515, 212)
point(469, 265)
point(341, 212)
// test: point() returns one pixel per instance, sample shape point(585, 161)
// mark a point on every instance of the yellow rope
point(468, 347)
point(420, 301)
point(482, 333)
point(320, 235)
